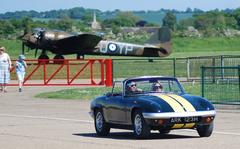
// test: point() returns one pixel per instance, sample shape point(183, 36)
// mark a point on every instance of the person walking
point(21, 66)
point(5, 66)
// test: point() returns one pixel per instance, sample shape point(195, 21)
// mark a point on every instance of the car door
point(116, 109)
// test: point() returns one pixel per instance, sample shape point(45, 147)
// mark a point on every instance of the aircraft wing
point(82, 41)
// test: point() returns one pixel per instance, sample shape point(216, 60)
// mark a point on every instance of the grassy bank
point(211, 44)
point(93, 92)
point(182, 47)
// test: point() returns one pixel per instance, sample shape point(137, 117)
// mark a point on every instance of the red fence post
point(109, 79)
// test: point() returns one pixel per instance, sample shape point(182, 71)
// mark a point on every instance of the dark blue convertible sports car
point(151, 103)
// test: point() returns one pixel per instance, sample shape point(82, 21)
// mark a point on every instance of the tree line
point(211, 23)
point(81, 13)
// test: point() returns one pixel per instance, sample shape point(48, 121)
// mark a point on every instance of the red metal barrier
point(109, 79)
point(69, 72)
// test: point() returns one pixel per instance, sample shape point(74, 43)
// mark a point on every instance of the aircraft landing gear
point(43, 59)
point(58, 59)
point(80, 56)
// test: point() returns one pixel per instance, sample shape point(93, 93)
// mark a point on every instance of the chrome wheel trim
point(138, 124)
point(99, 121)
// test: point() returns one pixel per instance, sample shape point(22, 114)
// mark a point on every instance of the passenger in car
point(157, 87)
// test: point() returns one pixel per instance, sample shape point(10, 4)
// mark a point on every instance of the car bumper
point(167, 115)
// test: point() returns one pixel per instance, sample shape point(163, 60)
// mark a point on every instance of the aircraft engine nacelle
point(55, 35)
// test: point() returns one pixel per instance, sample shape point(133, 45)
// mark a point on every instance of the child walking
point(21, 66)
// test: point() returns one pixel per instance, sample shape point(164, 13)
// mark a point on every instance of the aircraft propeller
point(38, 36)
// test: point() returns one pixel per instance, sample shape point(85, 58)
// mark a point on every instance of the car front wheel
point(101, 126)
point(140, 128)
point(205, 130)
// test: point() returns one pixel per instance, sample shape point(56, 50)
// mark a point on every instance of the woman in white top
point(5, 65)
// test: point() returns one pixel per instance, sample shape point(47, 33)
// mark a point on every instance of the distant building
point(95, 25)
point(150, 30)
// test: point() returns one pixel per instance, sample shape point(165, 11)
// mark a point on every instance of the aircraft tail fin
point(161, 36)
point(161, 41)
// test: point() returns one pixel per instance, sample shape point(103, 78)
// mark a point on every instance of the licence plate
point(184, 120)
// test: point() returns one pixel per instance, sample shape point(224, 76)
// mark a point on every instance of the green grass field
point(92, 92)
point(228, 93)
point(182, 47)
point(206, 45)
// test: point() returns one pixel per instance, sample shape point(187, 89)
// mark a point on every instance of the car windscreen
point(149, 85)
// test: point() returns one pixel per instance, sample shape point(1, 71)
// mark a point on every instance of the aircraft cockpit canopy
point(36, 32)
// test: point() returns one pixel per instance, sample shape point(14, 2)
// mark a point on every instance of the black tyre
point(164, 131)
point(58, 59)
point(43, 59)
point(205, 130)
point(140, 127)
point(101, 126)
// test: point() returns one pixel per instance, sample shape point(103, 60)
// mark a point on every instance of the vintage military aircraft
point(63, 43)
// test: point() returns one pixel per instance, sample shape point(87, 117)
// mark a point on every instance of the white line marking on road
point(219, 132)
point(90, 122)
point(48, 118)
point(227, 133)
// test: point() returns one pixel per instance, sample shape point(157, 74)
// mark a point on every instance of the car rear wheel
point(140, 127)
point(101, 126)
point(205, 130)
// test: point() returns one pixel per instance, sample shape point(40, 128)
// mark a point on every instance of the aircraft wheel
point(58, 59)
point(80, 56)
point(43, 59)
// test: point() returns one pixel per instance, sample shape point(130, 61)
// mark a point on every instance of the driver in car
point(132, 88)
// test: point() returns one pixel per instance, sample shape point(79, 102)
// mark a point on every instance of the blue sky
point(44, 5)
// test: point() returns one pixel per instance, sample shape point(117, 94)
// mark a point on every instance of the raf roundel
point(112, 47)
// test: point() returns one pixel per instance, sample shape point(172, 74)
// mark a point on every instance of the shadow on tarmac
point(130, 136)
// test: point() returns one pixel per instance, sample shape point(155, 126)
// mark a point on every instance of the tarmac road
point(31, 123)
